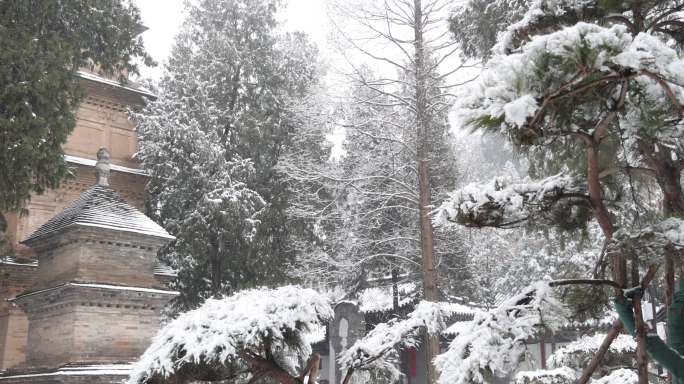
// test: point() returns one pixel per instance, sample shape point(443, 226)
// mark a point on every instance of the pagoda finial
point(102, 167)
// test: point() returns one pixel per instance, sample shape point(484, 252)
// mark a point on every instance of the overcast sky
point(164, 17)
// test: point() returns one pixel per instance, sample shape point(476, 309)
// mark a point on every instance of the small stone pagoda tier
point(95, 303)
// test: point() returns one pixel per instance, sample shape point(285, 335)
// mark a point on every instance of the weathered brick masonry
point(96, 300)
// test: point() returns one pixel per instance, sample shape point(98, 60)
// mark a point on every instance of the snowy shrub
point(494, 342)
point(563, 375)
point(246, 331)
point(578, 353)
point(619, 376)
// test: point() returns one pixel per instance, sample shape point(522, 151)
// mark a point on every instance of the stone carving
point(102, 167)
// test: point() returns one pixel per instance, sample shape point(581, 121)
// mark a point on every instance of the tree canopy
point(212, 140)
point(43, 45)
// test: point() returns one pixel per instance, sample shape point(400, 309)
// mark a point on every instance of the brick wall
point(13, 323)
point(85, 325)
point(92, 254)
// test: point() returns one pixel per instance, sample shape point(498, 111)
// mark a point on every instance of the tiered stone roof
point(100, 206)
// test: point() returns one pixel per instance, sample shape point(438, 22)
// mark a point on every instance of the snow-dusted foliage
point(598, 78)
point(536, 16)
point(514, 96)
point(563, 375)
point(230, 334)
point(493, 343)
point(619, 376)
point(212, 138)
point(578, 353)
point(505, 203)
point(477, 23)
point(651, 241)
point(362, 206)
point(507, 93)
point(377, 350)
point(379, 299)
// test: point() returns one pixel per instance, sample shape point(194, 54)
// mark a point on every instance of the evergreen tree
point(610, 89)
point(43, 44)
point(212, 140)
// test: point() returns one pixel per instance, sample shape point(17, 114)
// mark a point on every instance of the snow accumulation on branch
point(619, 376)
point(650, 241)
point(379, 299)
point(375, 350)
point(503, 203)
point(510, 94)
point(561, 375)
point(493, 343)
point(538, 11)
point(269, 326)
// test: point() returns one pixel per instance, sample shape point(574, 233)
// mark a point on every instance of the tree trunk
point(669, 274)
point(215, 260)
point(311, 369)
point(619, 262)
point(598, 356)
point(430, 292)
point(612, 334)
point(395, 290)
point(673, 196)
point(600, 210)
point(641, 357)
point(542, 350)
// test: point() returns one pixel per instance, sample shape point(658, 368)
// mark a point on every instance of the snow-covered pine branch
point(502, 203)
point(492, 344)
point(377, 351)
point(255, 332)
point(511, 95)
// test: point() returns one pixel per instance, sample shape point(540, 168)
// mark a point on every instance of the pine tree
point(611, 91)
point(212, 142)
point(43, 44)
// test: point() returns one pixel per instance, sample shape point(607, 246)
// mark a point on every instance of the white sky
point(164, 17)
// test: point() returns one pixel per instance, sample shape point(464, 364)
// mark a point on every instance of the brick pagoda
point(96, 301)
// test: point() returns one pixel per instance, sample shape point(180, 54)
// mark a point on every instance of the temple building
point(101, 121)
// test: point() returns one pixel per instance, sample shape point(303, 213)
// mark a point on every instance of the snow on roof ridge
point(100, 206)
point(90, 162)
point(125, 288)
point(102, 286)
point(90, 370)
point(142, 232)
point(9, 260)
point(99, 79)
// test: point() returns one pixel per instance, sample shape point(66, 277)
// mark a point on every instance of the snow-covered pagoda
point(96, 300)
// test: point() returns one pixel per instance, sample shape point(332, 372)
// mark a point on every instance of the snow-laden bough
point(237, 335)
point(494, 342)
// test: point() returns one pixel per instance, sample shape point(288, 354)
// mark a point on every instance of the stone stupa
point(96, 302)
